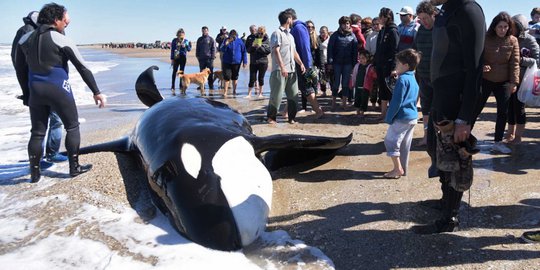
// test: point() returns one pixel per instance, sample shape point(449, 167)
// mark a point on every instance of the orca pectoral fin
point(146, 87)
point(301, 142)
point(289, 150)
point(122, 145)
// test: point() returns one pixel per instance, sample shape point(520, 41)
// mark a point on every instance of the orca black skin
point(203, 165)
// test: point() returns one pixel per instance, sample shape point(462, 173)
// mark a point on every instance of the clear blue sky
point(149, 20)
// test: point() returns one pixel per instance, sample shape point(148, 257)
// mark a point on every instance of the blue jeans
point(54, 136)
point(342, 74)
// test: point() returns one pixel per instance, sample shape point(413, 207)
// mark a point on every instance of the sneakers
point(501, 148)
point(56, 158)
point(532, 237)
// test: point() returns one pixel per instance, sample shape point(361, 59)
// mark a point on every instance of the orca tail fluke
point(146, 87)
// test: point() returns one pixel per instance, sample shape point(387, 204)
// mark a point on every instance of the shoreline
point(161, 54)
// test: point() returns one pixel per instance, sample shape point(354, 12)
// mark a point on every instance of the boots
point(35, 170)
point(449, 222)
point(74, 167)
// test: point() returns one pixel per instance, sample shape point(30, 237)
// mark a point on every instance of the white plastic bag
point(529, 91)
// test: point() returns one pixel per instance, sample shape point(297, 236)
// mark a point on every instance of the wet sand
point(346, 208)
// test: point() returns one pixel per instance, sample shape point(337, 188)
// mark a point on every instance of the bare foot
point(271, 121)
point(393, 174)
point(248, 96)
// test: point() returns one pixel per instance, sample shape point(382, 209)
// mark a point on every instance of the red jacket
point(357, 31)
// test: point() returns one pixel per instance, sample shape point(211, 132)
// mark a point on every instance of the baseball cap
point(406, 10)
point(223, 28)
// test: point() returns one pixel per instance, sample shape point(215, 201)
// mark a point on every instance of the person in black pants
point(42, 70)
point(54, 136)
point(258, 47)
point(206, 53)
point(385, 63)
point(456, 74)
point(180, 46)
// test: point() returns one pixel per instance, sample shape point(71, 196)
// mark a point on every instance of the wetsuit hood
point(31, 19)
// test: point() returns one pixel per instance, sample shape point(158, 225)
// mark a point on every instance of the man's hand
point(100, 100)
point(302, 68)
point(461, 132)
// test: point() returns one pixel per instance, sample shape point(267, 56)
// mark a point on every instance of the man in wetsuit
point(42, 70)
point(456, 73)
point(54, 136)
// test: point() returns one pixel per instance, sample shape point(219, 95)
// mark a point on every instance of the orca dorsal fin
point(146, 87)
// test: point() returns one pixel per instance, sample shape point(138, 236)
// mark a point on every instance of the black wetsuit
point(456, 73)
point(42, 70)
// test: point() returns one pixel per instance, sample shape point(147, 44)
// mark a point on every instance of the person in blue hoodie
point(300, 33)
point(402, 114)
point(234, 54)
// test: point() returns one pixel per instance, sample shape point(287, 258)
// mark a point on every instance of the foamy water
point(84, 234)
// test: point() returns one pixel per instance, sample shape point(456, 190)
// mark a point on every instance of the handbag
point(529, 91)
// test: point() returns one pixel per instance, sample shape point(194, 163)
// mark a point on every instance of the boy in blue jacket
point(402, 114)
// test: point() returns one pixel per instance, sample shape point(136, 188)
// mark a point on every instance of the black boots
point(450, 203)
point(76, 169)
point(35, 170)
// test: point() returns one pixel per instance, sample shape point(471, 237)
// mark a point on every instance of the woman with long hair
point(385, 63)
point(529, 54)
point(500, 72)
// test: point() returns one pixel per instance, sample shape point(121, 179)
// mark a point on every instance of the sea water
point(57, 249)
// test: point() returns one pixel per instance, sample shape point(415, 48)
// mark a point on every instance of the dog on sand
point(195, 78)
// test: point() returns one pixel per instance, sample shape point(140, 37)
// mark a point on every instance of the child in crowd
point(364, 76)
point(402, 114)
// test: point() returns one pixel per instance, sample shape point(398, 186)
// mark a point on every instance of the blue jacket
point(206, 48)
point(403, 103)
point(301, 39)
point(235, 52)
point(342, 48)
point(181, 51)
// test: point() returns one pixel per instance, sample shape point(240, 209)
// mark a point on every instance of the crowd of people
point(439, 55)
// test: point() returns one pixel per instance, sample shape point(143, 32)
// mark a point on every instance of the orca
point(205, 167)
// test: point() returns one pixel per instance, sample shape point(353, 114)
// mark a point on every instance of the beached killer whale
point(205, 166)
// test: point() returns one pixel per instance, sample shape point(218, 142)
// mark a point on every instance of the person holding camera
point(180, 46)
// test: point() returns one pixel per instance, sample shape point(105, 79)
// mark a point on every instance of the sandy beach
point(344, 207)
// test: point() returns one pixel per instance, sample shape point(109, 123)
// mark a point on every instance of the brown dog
point(195, 78)
point(218, 75)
